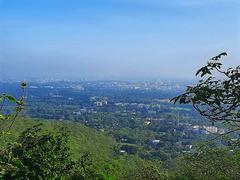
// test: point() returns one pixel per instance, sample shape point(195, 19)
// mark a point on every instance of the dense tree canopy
point(209, 162)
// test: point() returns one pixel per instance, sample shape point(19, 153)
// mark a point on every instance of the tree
point(36, 155)
point(217, 95)
point(209, 162)
point(147, 170)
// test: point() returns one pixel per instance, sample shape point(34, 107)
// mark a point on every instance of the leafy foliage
point(216, 97)
point(41, 156)
point(209, 163)
point(18, 107)
point(147, 171)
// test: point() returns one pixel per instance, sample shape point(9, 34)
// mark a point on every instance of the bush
point(36, 155)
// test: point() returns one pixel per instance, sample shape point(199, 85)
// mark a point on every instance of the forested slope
point(81, 138)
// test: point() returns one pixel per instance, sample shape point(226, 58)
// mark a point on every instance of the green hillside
point(81, 138)
point(107, 164)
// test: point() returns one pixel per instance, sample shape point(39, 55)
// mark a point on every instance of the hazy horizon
point(113, 39)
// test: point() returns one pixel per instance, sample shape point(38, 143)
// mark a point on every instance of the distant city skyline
point(115, 39)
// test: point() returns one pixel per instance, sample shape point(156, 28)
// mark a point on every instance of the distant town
point(139, 115)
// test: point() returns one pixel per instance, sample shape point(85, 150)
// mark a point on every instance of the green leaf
point(11, 98)
point(2, 117)
point(182, 100)
point(200, 70)
point(204, 70)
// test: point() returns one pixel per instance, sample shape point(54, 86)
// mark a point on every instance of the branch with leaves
point(18, 108)
point(217, 95)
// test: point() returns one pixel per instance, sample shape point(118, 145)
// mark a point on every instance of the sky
point(115, 39)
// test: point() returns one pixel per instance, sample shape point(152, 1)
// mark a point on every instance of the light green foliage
point(209, 163)
point(82, 139)
point(147, 170)
point(35, 156)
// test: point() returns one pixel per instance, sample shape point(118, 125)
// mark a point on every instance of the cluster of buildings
point(155, 105)
point(99, 101)
point(157, 85)
point(208, 129)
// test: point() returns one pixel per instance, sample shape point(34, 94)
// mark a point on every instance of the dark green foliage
point(130, 149)
point(215, 97)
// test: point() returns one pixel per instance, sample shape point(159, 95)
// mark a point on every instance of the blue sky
point(108, 39)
